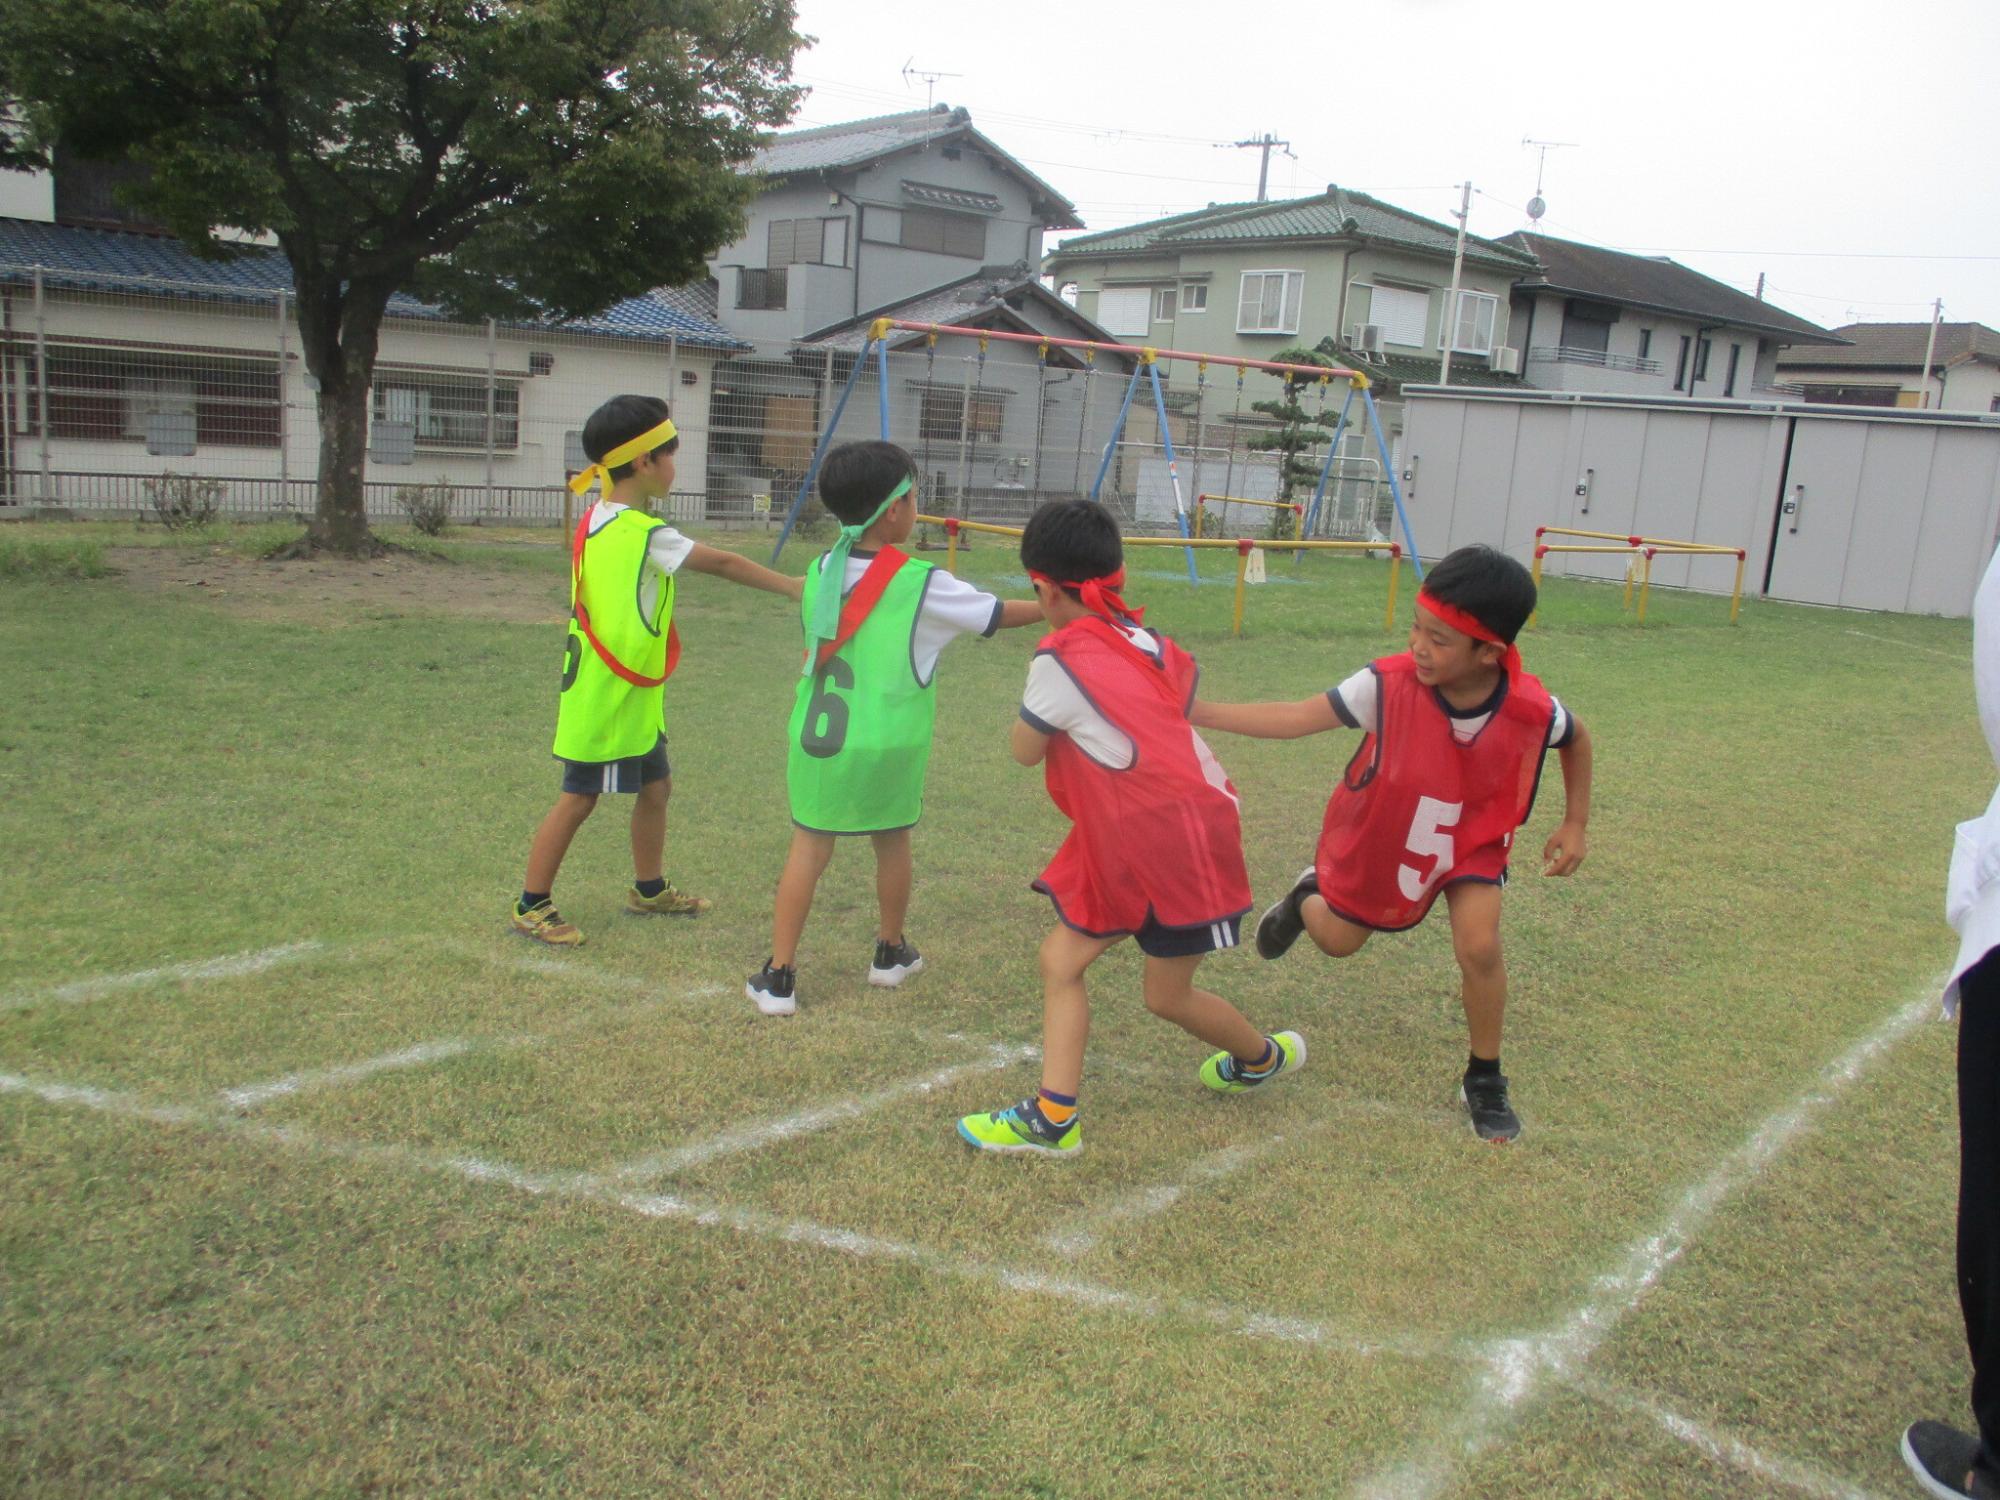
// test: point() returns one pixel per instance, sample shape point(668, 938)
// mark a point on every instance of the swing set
point(1146, 367)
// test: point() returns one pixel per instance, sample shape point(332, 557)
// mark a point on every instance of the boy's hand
point(1564, 851)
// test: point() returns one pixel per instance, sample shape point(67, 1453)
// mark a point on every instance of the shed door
point(1814, 513)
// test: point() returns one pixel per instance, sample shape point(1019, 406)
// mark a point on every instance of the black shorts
point(588, 777)
point(1156, 941)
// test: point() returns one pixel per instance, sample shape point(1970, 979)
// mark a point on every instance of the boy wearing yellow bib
point(610, 718)
point(859, 738)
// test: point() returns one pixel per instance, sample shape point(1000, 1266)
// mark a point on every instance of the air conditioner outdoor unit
point(1367, 337)
point(1506, 360)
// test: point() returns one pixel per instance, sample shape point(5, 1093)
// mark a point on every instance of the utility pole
point(1449, 329)
point(1930, 348)
point(1266, 143)
point(1760, 286)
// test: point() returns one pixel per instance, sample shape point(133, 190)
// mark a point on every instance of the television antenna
point(911, 72)
point(1537, 205)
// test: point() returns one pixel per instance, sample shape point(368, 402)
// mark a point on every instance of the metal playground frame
point(1147, 364)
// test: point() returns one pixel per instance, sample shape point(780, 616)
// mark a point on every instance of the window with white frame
point(1125, 309)
point(1194, 297)
point(1269, 302)
point(1163, 305)
point(1402, 313)
point(1473, 332)
point(450, 412)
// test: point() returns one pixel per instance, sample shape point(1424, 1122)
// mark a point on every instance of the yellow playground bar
point(1244, 546)
point(1640, 550)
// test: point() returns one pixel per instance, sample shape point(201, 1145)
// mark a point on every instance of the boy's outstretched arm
point(1029, 744)
point(1566, 847)
point(1267, 721)
point(739, 569)
point(1015, 612)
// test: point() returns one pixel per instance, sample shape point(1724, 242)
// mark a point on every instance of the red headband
point(1099, 595)
point(1465, 624)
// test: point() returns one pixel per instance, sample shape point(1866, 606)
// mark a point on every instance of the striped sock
point(1262, 1065)
point(1057, 1109)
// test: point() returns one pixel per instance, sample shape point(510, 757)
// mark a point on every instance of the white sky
point(1845, 148)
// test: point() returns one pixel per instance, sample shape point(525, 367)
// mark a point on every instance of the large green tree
point(506, 158)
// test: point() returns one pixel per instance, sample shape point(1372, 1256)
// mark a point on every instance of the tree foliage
point(1295, 439)
point(504, 158)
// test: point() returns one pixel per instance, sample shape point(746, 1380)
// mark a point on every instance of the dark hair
point(856, 478)
point(1072, 540)
point(1488, 585)
point(619, 420)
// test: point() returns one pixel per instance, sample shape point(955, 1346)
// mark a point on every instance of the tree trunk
point(340, 520)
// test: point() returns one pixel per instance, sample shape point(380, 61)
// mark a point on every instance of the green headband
point(825, 624)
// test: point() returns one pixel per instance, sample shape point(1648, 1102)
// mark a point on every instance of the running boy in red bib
point(610, 719)
point(1156, 850)
point(1454, 735)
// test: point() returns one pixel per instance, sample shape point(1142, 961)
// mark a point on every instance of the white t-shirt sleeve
point(951, 608)
point(1357, 701)
point(1561, 725)
point(1053, 703)
point(667, 549)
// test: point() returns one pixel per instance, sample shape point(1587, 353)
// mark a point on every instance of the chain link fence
point(117, 394)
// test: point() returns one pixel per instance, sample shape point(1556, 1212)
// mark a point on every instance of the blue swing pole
point(882, 364)
point(1118, 427)
point(826, 440)
point(1173, 465)
point(1326, 469)
point(1395, 486)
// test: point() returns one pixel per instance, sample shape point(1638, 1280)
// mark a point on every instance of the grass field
point(318, 1181)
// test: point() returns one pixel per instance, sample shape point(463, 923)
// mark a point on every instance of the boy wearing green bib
point(610, 719)
point(859, 738)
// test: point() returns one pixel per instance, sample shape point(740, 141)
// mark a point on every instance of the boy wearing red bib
point(1454, 733)
point(1155, 852)
point(610, 717)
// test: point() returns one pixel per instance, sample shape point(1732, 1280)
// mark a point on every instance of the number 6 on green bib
point(859, 739)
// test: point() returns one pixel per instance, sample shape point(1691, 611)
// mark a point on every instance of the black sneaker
point(774, 990)
point(1942, 1458)
point(894, 962)
point(1282, 923)
point(1485, 1098)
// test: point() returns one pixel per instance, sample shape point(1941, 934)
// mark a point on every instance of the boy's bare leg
point(552, 839)
point(804, 864)
point(1171, 995)
point(1066, 953)
point(893, 877)
point(1337, 937)
point(1475, 940)
point(649, 829)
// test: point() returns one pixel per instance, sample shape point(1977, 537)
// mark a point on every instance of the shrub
point(427, 505)
point(183, 502)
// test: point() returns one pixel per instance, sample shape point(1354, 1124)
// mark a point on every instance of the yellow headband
point(624, 453)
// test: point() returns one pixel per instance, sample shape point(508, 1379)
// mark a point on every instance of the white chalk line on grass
point(755, 1224)
point(229, 966)
point(1722, 1449)
point(754, 1137)
point(1890, 640)
point(1514, 1369)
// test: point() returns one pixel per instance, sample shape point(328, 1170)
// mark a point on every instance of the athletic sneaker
point(544, 924)
point(894, 962)
point(1022, 1127)
point(1485, 1098)
point(1942, 1457)
point(1282, 921)
point(1224, 1074)
point(774, 990)
point(669, 903)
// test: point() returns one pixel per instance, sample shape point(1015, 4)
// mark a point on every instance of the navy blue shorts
point(589, 777)
point(1156, 941)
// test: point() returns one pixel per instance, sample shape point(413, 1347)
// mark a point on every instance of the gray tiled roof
point(978, 297)
point(1899, 346)
point(116, 260)
point(854, 143)
point(1336, 213)
point(1657, 283)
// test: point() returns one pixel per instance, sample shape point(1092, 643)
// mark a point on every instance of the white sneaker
point(774, 990)
point(894, 962)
